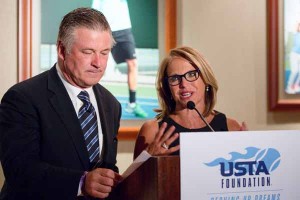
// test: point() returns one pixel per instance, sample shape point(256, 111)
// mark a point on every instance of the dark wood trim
point(25, 47)
point(128, 133)
point(273, 27)
point(170, 24)
point(24, 39)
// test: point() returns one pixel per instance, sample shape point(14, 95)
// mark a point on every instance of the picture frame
point(26, 51)
point(278, 99)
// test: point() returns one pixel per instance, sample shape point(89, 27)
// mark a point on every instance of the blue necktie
point(88, 121)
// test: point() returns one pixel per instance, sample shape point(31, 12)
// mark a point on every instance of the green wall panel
point(143, 14)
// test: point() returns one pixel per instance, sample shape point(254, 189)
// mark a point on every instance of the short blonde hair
point(166, 102)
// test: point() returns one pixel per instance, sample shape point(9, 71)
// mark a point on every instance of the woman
point(184, 75)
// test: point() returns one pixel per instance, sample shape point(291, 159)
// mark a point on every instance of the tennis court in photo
point(115, 80)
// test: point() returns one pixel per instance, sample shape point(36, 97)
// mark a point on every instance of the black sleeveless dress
point(218, 123)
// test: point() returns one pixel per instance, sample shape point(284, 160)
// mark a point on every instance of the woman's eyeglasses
point(189, 76)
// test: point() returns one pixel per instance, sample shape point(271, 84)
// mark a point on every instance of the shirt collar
point(72, 90)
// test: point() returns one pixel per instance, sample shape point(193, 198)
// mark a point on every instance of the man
point(58, 130)
point(117, 14)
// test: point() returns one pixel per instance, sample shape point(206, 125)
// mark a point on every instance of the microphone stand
point(191, 106)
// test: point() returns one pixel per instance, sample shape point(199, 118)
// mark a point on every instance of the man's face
point(84, 64)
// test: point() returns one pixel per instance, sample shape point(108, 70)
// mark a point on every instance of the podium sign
point(246, 165)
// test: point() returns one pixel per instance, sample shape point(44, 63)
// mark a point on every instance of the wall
point(230, 33)
point(232, 36)
point(8, 48)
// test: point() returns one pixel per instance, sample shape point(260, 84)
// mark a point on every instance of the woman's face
point(185, 91)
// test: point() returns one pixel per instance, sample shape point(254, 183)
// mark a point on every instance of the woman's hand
point(233, 125)
point(162, 141)
point(244, 127)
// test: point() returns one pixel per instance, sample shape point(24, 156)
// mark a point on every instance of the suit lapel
point(65, 110)
point(103, 113)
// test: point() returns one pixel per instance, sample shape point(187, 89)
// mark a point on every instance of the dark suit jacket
point(43, 153)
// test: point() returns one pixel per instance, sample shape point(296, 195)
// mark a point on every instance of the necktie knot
point(85, 98)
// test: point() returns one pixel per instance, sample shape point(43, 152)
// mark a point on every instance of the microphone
point(191, 105)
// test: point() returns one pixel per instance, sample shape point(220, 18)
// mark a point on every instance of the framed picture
point(32, 40)
point(283, 37)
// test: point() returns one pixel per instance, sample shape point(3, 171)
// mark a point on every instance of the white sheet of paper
point(136, 163)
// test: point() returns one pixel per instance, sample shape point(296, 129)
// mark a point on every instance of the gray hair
point(81, 17)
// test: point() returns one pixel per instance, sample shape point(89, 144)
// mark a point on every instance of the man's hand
point(99, 182)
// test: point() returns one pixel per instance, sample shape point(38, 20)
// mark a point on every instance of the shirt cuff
point(82, 180)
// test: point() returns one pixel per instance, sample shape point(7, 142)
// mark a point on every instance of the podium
point(157, 178)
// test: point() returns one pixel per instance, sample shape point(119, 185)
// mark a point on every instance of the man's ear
point(61, 50)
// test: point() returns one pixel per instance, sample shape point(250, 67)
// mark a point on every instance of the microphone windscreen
point(190, 105)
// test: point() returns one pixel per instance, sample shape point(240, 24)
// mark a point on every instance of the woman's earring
point(207, 88)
